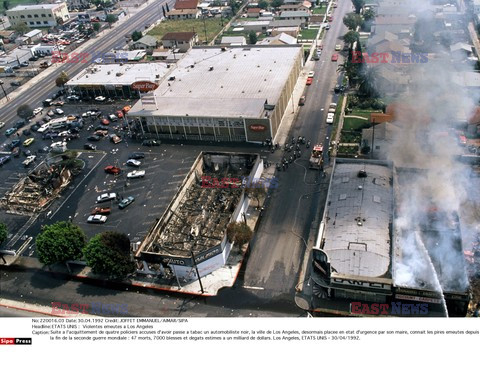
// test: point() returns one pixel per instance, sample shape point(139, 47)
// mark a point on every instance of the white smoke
point(433, 184)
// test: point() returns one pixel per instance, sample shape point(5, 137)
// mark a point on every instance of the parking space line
point(174, 182)
point(178, 175)
point(134, 189)
point(152, 215)
point(147, 223)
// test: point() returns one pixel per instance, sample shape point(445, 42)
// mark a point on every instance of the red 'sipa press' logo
point(15, 341)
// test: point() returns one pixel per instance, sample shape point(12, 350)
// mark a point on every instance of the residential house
point(253, 12)
point(304, 16)
point(183, 14)
point(277, 23)
point(147, 43)
point(292, 31)
point(299, 6)
point(255, 25)
point(186, 4)
point(381, 137)
point(461, 51)
point(181, 41)
point(281, 39)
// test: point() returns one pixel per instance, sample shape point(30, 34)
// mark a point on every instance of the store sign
point(144, 86)
point(257, 128)
point(360, 283)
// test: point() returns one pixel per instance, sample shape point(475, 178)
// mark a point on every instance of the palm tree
point(369, 82)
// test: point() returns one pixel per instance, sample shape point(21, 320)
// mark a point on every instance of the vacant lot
point(211, 26)
point(309, 33)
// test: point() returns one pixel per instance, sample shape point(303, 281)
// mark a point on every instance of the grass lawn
point(337, 118)
point(320, 11)
point(213, 27)
point(309, 33)
point(350, 123)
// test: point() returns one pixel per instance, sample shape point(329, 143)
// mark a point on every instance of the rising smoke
point(432, 184)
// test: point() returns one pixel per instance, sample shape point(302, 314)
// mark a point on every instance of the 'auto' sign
point(257, 127)
point(144, 86)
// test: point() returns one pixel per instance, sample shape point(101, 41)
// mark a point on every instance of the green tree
point(96, 27)
point(239, 234)
point(277, 3)
point(3, 232)
point(252, 37)
point(136, 35)
point(351, 37)
point(107, 260)
point(21, 28)
point(368, 83)
point(234, 5)
point(358, 4)
point(352, 21)
point(24, 111)
point(256, 192)
point(116, 240)
point(6, 4)
point(60, 242)
point(369, 14)
point(263, 4)
point(62, 79)
point(111, 19)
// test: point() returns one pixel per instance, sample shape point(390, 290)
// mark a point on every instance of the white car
point(64, 134)
point(133, 162)
point(2, 124)
point(100, 98)
point(37, 110)
point(29, 160)
point(136, 174)
point(338, 47)
point(59, 111)
point(330, 117)
point(97, 218)
point(332, 110)
point(311, 74)
point(105, 197)
point(333, 105)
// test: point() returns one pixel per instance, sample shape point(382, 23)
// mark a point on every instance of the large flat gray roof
point(119, 74)
point(235, 82)
point(357, 221)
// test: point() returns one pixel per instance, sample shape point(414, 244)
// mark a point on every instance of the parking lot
point(165, 168)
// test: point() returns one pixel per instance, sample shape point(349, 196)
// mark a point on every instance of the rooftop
point(119, 74)
point(35, 7)
point(178, 36)
point(148, 40)
point(234, 82)
point(360, 206)
point(295, 14)
point(186, 4)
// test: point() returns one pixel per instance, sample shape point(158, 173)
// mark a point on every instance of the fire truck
point(316, 158)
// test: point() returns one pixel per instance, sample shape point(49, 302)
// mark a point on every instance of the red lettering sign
point(144, 86)
point(257, 127)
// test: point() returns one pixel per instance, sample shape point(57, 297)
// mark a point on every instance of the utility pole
point(6, 96)
point(196, 269)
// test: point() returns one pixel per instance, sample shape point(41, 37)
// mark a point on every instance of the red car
point(334, 57)
point(119, 114)
point(114, 170)
point(309, 80)
point(101, 210)
point(105, 122)
point(330, 18)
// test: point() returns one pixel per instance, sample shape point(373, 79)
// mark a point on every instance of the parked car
point(29, 160)
point(47, 102)
point(16, 152)
point(105, 197)
point(302, 100)
point(59, 111)
point(338, 47)
point(101, 210)
point(37, 110)
point(334, 57)
point(136, 174)
point(151, 142)
point(137, 155)
point(4, 160)
point(133, 163)
point(26, 132)
point(330, 117)
point(311, 74)
point(89, 146)
point(28, 142)
point(15, 143)
point(100, 98)
point(309, 80)
point(15, 83)
point(115, 139)
point(10, 131)
point(2, 124)
point(110, 169)
point(19, 124)
point(93, 138)
point(105, 122)
point(73, 98)
point(126, 202)
point(97, 219)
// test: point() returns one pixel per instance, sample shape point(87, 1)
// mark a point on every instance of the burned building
point(35, 192)
point(366, 253)
point(191, 234)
